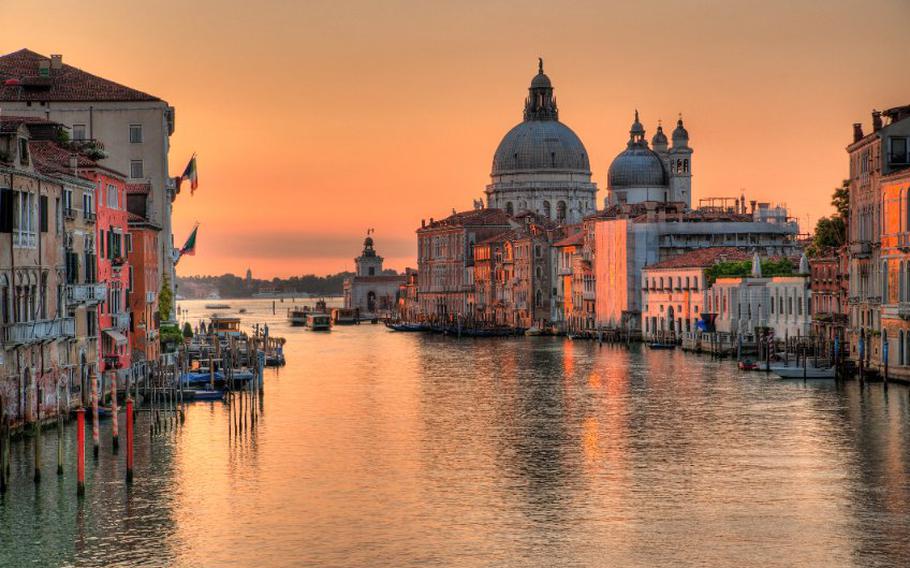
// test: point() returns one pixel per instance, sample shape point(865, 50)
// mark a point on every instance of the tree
point(187, 330)
point(841, 200)
point(165, 299)
point(830, 232)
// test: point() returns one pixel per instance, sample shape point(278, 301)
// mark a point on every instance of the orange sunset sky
point(316, 120)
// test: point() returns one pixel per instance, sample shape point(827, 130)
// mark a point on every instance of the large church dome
point(536, 145)
point(637, 165)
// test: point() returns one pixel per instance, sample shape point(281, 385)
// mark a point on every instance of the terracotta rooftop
point(10, 123)
point(471, 217)
point(51, 158)
point(572, 240)
point(704, 257)
point(20, 81)
point(502, 237)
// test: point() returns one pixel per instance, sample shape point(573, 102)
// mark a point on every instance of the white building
point(629, 237)
point(541, 165)
point(371, 291)
point(133, 127)
point(639, 173)
point(781, 303)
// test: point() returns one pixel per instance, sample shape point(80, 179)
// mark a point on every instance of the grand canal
point(377, 448)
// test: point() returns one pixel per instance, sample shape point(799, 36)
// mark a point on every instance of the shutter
point(6, 211)
point(42, 213)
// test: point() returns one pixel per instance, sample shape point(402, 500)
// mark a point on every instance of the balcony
point(86, 293)
point(41, 331)
point(118, 261)
point(120, 321)
point(903, 310)
point(90, 216)
point(861, 249)
point(69, 213)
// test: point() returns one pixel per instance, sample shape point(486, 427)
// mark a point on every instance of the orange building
point(145, 281)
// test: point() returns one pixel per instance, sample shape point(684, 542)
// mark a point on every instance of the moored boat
point(661, 345)
point(747, 365)
point(297, 316)
point(204, 394)
point(318, 321)
point(406, 326)
point(799, 372)
point(217, 306)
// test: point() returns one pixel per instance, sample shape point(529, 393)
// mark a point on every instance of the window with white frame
point(135, 133)
point(25, 219)
point(112, 200)
point(88, 202)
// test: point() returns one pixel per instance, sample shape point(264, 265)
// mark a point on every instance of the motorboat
point(661, 345)
point(217, 306)
point(225, 326)
point(297, 316)
point(799, 372)
point(345, 316)
point(406, 326)
point(747, 365)
point(204, 394)
point(318, 321)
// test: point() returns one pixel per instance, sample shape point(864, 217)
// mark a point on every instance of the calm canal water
point(378, 448)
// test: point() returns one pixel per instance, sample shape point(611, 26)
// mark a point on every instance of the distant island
point(233, 286)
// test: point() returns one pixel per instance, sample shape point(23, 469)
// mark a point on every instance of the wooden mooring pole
point(115, 428)
point(129, 440)
point(80, 451)
point(95, 421)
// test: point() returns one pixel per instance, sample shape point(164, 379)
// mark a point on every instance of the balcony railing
point(120, 321)
point(90, 216)
point(27, 333)
point(69, 213)
point(903, 310)
point(861, 249)
point(86, 293)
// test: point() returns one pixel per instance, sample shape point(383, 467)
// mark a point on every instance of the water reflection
point(388, 449)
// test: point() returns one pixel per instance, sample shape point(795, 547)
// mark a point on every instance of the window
point(899, 151)
point(129, 242)
point(78, 132)
point(25, 219)
point(112, 198)
point(23, 151)
point(135, 134)
point(88, 205)
point(136, 169)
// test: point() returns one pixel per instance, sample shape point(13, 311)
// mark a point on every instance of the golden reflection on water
point(375, 448)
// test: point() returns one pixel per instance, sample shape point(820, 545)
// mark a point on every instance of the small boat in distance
point(406, 326)
point(297, 316)
point(217, 306)
point(318, 321)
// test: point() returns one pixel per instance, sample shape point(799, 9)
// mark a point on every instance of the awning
point(118, 337)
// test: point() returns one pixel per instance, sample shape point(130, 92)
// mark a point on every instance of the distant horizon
point(345, 126)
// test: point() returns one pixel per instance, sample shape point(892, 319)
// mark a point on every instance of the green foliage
point(740, 268)
point(171, 336)
point(841, 199)
point(165, 300)
point(187, 330)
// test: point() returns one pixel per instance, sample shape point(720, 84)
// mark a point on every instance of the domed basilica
point(659, 173)
point(541, 165)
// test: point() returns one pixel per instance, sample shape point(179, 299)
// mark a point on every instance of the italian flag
point(190, 174)
point(189, 248)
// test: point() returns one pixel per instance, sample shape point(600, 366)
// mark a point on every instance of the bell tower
point(368, 263)
point(680, 165)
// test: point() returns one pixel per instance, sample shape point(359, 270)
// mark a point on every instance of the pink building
point(114, 244)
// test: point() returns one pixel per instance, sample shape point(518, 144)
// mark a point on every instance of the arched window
point(539, 298)
point(561, 211)
point(546, 209)
point(884, 277)
point(685, 166)
point(509, 208)
point(678, 166)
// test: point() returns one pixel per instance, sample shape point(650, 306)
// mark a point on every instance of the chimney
point(752, 206)
point(857, 131)
point(876, 120)
point(423, 223)
point(56, 61)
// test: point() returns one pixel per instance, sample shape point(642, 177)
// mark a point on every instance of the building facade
point(145, 280)
point(128, 128)
point(369, 290)
point(37, 329)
